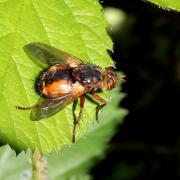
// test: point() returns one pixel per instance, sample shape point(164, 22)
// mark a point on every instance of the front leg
point(101, 102)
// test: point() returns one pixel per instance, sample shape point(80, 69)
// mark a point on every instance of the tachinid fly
point(66, 79)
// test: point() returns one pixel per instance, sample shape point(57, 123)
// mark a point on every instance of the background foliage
point(167, 4)
point(147, 49)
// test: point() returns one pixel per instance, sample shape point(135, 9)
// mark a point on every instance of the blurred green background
point(147, 49)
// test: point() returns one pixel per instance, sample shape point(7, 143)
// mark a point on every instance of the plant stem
point(39, 166)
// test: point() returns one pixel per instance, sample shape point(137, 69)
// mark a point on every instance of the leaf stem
point(39, 166)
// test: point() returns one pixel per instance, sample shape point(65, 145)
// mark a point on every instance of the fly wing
point(48, 107)
point(45, 55)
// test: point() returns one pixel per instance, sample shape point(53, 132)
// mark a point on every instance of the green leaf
point(75, 26)
point(77, 161)
point(74, 161)
point(167, 4)
point(13, 167)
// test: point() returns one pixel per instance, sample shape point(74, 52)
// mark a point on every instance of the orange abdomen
point(57, 88)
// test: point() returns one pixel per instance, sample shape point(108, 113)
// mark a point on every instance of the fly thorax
point(87, 75)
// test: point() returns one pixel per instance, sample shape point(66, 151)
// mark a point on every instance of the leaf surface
point(73, 161)
point(74, 26)
point(14, 167)
point(78, 160)
point(167, 4)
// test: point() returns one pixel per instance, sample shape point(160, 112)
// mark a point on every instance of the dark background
point(147, 50)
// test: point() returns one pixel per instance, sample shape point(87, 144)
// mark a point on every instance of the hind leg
point(76, 122)
point(26, 108)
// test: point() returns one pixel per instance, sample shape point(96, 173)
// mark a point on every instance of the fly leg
point(76, 122)
point(82, 100)
point(27, 108)
point(101, 103)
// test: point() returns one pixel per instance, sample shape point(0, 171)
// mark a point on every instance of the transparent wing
point(45, 108)
point(48, 107)
point(44, 55)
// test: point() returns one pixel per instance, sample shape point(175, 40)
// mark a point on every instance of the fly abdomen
point(57, 88)
point(51, 76)
point(54, 84)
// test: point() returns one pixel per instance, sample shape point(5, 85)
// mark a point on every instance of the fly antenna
point(122, 78)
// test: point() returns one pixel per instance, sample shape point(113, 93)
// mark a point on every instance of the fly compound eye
point(111, 83)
